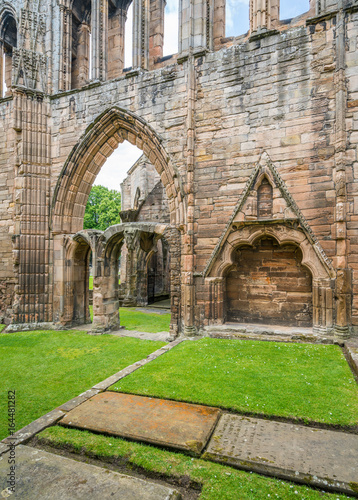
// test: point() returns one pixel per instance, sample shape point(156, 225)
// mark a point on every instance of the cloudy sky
point(237, 22)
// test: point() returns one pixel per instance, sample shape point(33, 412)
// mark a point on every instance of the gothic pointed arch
point(98, 142)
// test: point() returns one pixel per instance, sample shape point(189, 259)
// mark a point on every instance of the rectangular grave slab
point(323, 458)
point(40, 475)
point(167, 423)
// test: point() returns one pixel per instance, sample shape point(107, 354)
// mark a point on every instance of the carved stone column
point(264, 14)
point(116, 29)
point(64, 80)
point(131, 237)
point(215, 306)
point(156, 30)
point(141, 34)
point(99, 31)
point(343, 281)
point(195, 24)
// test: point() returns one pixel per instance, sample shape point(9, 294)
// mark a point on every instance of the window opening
point(9, 42)
point(128, 38)
point(237, 17)
point(81, 65)
point(289, 9)
point(171, 28)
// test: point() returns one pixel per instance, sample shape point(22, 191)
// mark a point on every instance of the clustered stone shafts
point(204, 119)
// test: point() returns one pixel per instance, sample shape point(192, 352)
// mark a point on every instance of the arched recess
point(101, 138)
point(73, 279)
point(268, 284)
point(284, 234)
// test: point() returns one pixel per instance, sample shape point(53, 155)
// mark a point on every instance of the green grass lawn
point(218, 482)
point(301, 381)
point(142, 322)
point(47, 368)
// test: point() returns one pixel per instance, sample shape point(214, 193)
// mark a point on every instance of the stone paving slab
point(323, 458)
point(40, 475)
point(166, 423)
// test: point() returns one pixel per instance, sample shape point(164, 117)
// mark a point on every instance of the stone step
point(40, 475)
point(266, 332)
point(323, 458)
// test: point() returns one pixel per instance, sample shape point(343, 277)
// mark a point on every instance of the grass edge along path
point(48, 368)
point(217, 481)
point(300, 382)
point(131, 319)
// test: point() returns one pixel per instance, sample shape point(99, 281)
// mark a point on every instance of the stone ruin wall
point(290, 91)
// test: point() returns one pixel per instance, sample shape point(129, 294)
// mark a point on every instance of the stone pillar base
point(190, 331)
point(342, 332)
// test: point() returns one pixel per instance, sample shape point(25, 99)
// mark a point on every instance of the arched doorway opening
point(268, 284)
point(70, 198)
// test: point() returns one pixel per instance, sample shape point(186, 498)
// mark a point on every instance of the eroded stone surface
point(167, 423)
point(41, 475)
point(324, 458)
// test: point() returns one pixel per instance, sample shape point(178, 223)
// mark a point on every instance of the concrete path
point(42, 476)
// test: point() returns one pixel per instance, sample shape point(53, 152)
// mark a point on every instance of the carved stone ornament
point(292, 223)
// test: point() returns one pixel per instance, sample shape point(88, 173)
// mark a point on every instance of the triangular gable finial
point(266, 168)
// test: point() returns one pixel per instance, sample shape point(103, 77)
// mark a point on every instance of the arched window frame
point(8, 42)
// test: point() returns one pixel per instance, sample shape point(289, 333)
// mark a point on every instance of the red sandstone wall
point(269, 286)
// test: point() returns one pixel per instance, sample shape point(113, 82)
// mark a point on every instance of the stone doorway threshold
point(277, 333)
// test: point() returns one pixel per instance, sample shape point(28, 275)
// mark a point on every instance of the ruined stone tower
point(255, 140)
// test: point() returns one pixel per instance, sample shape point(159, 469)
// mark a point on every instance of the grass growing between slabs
point(47, 368)
point(132, 319)
point(301, 381)
point(217, 481)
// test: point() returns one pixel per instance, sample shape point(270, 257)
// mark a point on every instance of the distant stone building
point(254, 139)
point(144, 200)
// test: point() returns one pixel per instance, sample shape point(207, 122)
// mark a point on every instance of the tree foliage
point(102, 209)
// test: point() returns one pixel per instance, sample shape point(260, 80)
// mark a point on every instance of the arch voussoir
point(88, 156)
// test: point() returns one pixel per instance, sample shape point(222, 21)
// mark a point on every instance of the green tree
point(102, 209)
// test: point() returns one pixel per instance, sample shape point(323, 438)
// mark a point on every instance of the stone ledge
point(34, 427)
point(73, 403)
point(351, 350)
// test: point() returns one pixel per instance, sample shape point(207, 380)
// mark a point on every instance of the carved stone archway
point(284, 232)
point(71, 271)
point(99, 141)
